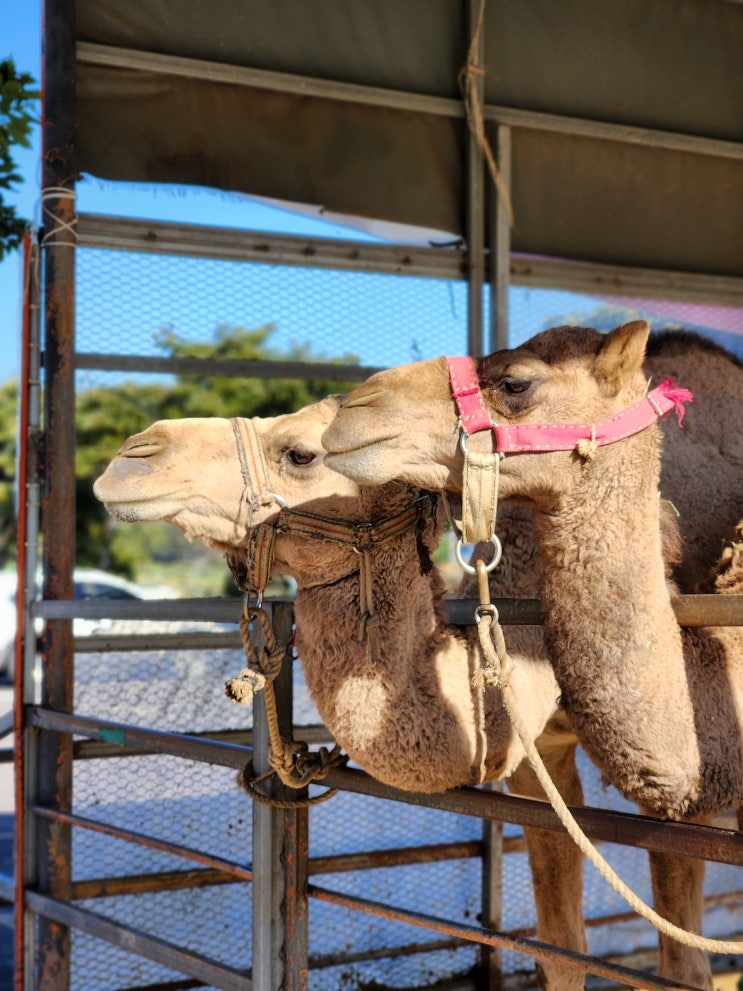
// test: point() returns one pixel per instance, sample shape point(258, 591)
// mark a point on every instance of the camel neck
point(611, 632)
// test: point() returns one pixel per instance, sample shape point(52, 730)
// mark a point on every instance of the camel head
point(188, 472)
point(402, 423)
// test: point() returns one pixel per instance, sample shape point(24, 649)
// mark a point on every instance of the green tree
point(107, 416)
point(8, 405)
point(17, 117)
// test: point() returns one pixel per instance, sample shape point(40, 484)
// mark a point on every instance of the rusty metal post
point(280, 854)
point(492, 897)
point(53, 760)
point(295, 947)
point(28, 482)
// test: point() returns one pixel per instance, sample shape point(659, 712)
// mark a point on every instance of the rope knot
point(245, 687)
point(586, 448)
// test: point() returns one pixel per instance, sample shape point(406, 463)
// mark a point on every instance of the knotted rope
point(469, 75)
point(291, 760)
point(496, 671)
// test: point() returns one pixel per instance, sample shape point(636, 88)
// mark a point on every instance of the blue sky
point(21, 38)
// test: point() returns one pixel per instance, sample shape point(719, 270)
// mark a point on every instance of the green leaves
point(18, 101)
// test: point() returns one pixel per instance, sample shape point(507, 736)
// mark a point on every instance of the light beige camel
point(657, 708)
point(410, 718)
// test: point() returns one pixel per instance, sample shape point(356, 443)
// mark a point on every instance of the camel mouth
point(335, 450)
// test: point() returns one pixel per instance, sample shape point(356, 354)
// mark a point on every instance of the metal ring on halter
point(497, 553)
point(463, 442)
point(277, 498)
point(486, 609)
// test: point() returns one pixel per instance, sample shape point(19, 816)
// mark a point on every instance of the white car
point(89, 584)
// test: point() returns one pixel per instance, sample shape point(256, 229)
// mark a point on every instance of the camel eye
point(516, 387)
point(300, 458)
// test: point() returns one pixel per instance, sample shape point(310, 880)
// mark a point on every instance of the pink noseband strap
point(521, 437)
point(465, 388)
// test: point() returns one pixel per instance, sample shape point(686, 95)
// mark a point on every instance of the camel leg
point(556, 869)
point(678, 895)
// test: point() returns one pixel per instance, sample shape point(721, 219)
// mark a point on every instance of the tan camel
point(657, 708)
point(410, 718)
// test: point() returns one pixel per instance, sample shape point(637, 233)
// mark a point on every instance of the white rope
point(498, 665)
point(58, 233)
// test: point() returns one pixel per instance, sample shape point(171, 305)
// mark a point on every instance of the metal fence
point(140, 860)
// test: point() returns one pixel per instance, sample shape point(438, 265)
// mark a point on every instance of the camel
point(657, 708)
point(410, 717)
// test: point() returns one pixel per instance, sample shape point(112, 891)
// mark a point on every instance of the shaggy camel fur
point(412, 719)
point(657, 708)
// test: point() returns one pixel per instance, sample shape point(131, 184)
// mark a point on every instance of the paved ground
point(6, 848)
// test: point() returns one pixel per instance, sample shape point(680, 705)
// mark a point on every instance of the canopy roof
point(626, 116)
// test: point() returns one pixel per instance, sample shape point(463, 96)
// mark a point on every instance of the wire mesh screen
point(127, 300)
point(128, 303)
point(533, 310)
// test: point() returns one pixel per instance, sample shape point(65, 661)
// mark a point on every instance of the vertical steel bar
point(22, 481)
point(296, 834)
point(54, 754)
point(30, 476)
point(500, 253)
point(267, 967)
point(475, 203)
point(280, 854)
point(492, 897)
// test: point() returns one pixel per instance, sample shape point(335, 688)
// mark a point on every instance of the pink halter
point(521, 437)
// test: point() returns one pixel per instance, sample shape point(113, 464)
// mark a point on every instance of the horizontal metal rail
point(210, 972)
point(447, 261)
point(238, 871)
point(155, 881)
point(690, 610)
point(98, 643)
point(707, 842)
point(627, 829)
point(490, 937)
point(100, 749)
point(214, 610)
point(224, 367)
point(283, 82)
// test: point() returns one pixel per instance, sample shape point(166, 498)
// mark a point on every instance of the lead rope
point(497, 671)
point(292, 760)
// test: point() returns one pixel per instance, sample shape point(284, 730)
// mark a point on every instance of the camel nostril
point(139, 449)
point(362, 398)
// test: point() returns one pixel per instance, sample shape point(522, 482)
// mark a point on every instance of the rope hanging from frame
point(469, 74)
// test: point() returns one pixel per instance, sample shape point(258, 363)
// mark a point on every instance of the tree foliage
point(17, 117)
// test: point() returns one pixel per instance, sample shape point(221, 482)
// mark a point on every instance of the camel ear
point(622, 354)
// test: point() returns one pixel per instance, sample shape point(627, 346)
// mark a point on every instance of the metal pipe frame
point(690, 610)
point(445, 262)
point(487, 937)
point(695, 840)
point(687, 839)
point(280, 886)
point(48, 762)
point(281, 82)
